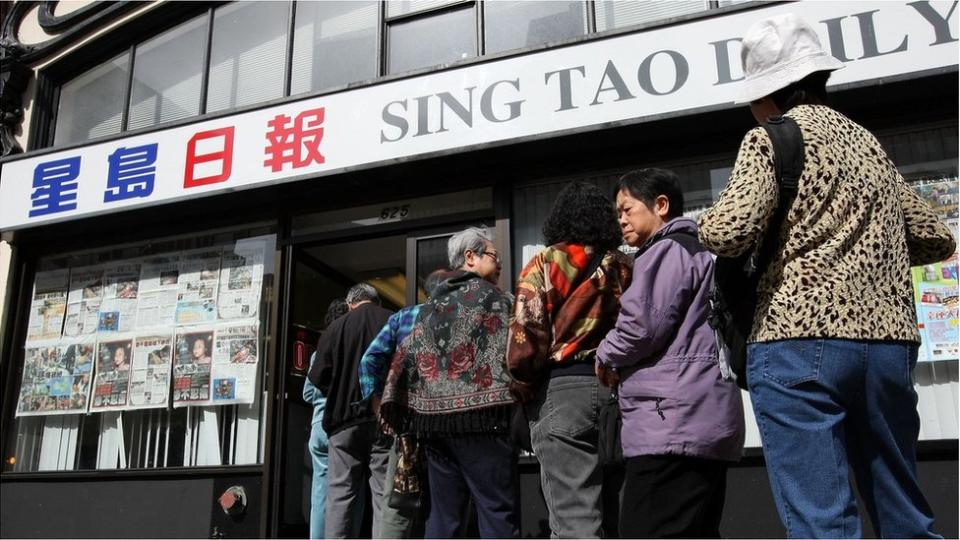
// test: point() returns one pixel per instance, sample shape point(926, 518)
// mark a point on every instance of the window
point(167, 75)
point(514, 25)
point(92, 104)
point(248, 54)
point(452, 36)
point(334, 43)
point(619, 13)
point(147, 355)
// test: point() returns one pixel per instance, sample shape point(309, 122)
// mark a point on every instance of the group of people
point(829, 364)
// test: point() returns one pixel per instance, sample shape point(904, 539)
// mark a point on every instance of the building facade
point(185, 186)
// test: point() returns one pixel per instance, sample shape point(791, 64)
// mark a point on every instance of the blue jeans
point(318, 499)
point(826, 405)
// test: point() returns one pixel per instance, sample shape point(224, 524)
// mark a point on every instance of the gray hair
point(362, 292)
point(469, 239)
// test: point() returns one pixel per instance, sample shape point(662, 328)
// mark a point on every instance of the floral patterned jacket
point(449, 375)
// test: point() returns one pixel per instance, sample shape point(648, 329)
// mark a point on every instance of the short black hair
point(648, 184)
point(810, 90)
point(582, 214)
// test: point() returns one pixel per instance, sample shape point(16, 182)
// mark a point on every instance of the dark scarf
point(449, 375)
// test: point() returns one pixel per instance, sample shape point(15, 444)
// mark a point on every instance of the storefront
point(200, 180)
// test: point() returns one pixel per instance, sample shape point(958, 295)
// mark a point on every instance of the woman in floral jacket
point(448, 385)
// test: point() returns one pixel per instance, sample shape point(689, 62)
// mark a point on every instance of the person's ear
point(662, 206)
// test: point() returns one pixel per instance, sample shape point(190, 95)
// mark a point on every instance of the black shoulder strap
point(788, 159)
point(591, 268)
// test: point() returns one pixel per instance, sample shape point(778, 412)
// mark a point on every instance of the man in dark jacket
point(355, 441)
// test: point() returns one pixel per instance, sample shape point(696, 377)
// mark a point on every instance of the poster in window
point(235, 364)
point(48, 305)
point(111, 383)
point(241, 275)
point(121, 287)
point(193, 351)
point(83, 302)
point(159, 288)
point(56, 378)
point(935, 286)
point(197, 287)
point(150, 378)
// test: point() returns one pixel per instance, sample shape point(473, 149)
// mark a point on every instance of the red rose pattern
point(428, 366)
point(461, 360)
point(492, 324)
point(483, 378)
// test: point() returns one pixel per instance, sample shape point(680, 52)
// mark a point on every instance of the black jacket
point(336, 369)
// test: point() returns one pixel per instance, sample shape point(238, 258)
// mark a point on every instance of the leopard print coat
point(842, 269)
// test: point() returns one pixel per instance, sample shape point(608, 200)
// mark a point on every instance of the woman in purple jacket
point(682, 420)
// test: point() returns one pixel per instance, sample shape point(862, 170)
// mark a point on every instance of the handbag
point(609, 424)
point(409, 484)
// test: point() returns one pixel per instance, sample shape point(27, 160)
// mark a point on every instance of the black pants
point(672, 497)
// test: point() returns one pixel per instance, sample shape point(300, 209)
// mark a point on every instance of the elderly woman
point(834, 339)
point(448, 384)
point(568, 298)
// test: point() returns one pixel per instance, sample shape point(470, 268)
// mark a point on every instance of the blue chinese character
point(132, 172)
point(55, 186)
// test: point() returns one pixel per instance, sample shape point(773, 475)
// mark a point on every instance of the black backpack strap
point(591, 268)
point(788, 160)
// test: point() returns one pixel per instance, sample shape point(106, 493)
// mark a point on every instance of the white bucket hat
point(779, 51)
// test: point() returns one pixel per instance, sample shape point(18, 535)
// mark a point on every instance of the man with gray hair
point(356, 444)
point(472, 250)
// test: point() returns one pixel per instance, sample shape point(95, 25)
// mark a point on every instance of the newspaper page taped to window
point(83, 302)
point(150, 380)
point(56, 378)
point(159, 288)
point(48, 305)
point(118, 311)
point(241, 276)
point(198, 279)
point(191, 370)
point(235, 363)
point(111, 382)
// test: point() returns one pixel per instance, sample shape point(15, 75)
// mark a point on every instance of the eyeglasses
point(494, 255)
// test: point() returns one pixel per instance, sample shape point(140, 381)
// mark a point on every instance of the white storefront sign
point(586, 86)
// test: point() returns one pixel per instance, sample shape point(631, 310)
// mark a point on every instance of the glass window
point(619, 13)
point(91, 105)
point(513, 25)
point(395, 8)
point(453, 36)
point(147, 355)
point(167, 74)
point(248, 54)
point(334, 43)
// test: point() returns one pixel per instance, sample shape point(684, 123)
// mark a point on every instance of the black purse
point(409, 484)
point(609, 424)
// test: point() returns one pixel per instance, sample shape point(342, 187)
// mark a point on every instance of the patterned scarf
point(449, 375)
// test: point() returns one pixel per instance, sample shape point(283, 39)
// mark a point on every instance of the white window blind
point(619, 13)
point(91, 105)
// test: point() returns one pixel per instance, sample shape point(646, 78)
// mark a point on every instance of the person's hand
point(521, 392)
point(607, 376)
point(375, 405)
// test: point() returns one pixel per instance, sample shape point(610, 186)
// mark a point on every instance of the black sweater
point(336, 369)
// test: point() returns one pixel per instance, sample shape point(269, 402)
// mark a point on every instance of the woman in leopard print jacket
point(835, 336)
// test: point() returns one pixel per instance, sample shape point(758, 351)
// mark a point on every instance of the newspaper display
point(191, 370)
point(198, 279)
point(159, 287)
point(111, 383)
point(235, 360)
point(150, 379)
point(121, 285)
point(935, 286)
point(83, 302)
point(48, 305)
point(241, 275)
point(56, 378)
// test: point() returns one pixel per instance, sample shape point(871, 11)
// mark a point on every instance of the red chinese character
point(225, 155)
point(296, 142)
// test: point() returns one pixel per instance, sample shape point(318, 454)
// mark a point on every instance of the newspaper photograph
point(111, 383)
point(56, 378)
point(83, 301)
point(121, 286)
point(159, 285)
point(191, 369)
point(235, 364)
point(48, 305)
point(241, 276)
point(197, 287)
point(150, 379)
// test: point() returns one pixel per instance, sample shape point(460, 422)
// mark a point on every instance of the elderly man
point(355, 443)
point(448, 384)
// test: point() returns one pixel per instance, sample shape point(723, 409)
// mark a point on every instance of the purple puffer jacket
point(672, 396)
